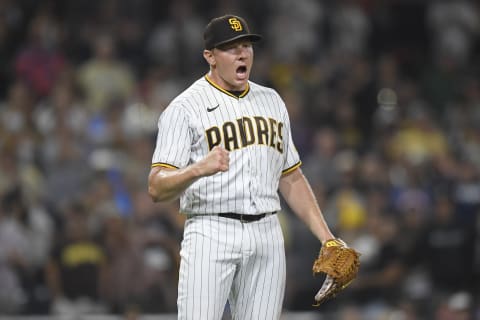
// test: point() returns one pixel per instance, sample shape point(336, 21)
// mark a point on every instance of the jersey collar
point(243, 94)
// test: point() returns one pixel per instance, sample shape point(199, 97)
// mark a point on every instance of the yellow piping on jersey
point(162, 164)
point(295, 166)
point(243, 94)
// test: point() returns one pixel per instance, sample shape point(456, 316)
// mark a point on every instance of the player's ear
point(209, 57)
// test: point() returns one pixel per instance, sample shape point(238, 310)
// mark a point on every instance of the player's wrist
point(326, 236)
point(197, 171)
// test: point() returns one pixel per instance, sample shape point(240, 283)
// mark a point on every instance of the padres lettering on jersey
point(246, 131)
point(254, 127)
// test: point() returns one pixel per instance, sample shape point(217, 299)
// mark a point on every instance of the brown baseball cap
point(225, 29)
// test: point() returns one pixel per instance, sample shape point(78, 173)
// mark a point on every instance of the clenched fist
point(217, 160)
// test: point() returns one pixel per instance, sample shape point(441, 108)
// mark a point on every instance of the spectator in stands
point(14, 250)
point(40, 62)
point(104, 78)
point(419, 139)
point(445, 236)
point(16, 117)
point(77, 269)
point(379, 282)
point(125, 261)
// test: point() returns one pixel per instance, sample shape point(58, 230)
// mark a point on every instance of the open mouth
point(241, 71)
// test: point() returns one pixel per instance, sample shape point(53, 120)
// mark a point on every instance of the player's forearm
point(296, 191)
point(168, 184)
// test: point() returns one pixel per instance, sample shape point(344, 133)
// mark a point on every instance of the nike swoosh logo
point(213, 108)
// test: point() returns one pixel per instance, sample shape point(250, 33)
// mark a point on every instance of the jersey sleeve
point(292, 158)
point(173, 145)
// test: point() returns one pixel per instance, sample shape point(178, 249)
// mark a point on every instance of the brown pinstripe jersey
point(254, 127)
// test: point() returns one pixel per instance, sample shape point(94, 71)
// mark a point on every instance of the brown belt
point(245, 217)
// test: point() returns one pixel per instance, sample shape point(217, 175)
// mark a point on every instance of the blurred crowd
point(384, 100)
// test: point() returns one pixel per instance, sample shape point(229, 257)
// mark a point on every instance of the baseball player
point(224, 147)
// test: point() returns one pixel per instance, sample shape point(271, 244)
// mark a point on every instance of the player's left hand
point(340, 264)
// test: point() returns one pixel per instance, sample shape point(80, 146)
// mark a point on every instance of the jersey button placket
point(243, 107)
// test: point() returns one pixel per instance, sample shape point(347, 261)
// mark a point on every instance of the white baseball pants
point(223, 258)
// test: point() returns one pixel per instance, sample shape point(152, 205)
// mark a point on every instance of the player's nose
point(242, 51)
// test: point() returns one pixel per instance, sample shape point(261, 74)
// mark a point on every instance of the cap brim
point(251, 36)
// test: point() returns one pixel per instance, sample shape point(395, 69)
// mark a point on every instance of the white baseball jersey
point(254, 127)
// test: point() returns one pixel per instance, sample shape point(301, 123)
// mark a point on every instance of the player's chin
point(241, 82)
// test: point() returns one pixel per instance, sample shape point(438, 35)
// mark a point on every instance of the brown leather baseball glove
point(340, 264)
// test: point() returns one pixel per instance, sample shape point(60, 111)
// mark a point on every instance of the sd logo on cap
point(225, 29)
